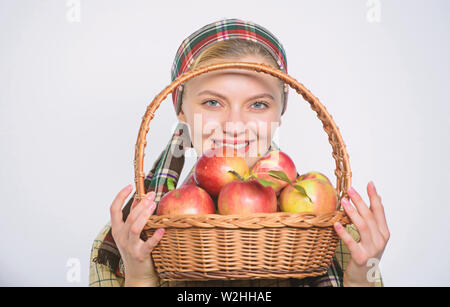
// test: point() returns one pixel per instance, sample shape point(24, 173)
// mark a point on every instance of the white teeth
point(237, 146)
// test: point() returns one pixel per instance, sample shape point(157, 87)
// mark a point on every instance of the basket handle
point(340, 155)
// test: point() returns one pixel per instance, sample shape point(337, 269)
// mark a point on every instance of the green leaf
point(264, 182)
point(280, 175)
point(170, 184)
point(302, 191)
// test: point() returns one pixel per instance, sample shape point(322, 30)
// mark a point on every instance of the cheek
point(266, 126)
point(203, 126)
point(211, 125)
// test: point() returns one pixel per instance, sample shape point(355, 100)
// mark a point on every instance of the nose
point(234, 126)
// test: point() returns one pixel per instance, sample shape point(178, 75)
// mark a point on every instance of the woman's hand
point(139, 270)
point(374, 233)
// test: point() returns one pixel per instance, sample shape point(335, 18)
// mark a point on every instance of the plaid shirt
point(102, 276)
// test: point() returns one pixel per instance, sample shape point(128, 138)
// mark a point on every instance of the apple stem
point(251, 176)
point(237, 175)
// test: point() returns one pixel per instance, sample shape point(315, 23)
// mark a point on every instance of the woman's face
point(237, 108)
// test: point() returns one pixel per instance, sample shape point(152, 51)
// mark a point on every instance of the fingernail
point(160, 231)
point(152, 206)
point(129, 187)
point(344, 202)
point(150, 195)
point(373, 186)
point(347, 205)
point(351, 191)
point(338, 226)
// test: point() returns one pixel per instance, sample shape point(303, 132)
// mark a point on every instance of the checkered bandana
point(221, 30)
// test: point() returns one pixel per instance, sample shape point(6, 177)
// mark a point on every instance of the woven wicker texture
point(272, 245)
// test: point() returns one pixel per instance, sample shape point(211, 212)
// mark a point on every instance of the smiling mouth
point(230, 145)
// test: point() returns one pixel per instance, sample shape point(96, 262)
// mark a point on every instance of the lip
point(234, 142)
point(242, 149)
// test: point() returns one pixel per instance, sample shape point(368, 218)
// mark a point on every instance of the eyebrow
point(207, 92)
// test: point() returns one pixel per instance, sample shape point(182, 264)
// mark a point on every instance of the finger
point(135, 202)
point(151, 242)
point(132, 217)
point(361, 225)
point(371, 237)
point(116, 208)
point(378, 210)
point(150, 195)
point(346, 238)
point(364, 212)
point(136, 229)
point(359, 202)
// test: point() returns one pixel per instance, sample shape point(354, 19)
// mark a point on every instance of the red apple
point(311, 175)
point(321, 197)
point(275, 161)
point(246, 197)
point(187, 199)
point(212, 169)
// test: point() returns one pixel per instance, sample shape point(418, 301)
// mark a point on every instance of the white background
point(73, 94)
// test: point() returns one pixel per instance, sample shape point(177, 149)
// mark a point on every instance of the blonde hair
point(233, 49)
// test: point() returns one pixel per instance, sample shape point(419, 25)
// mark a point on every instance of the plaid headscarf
point(168, 164)
point(222, 30)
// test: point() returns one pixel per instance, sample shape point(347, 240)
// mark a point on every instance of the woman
point(238, 109)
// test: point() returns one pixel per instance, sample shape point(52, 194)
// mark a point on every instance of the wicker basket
point(265, 245)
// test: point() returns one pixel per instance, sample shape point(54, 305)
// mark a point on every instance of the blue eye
point(260, 105)
point(211, 103)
